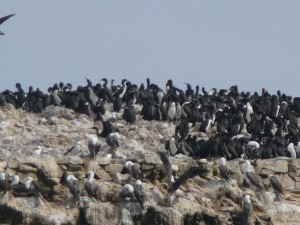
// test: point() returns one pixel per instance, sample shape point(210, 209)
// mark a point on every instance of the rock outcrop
point(205, 199)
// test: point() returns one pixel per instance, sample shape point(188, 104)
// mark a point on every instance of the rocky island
point(189, 198)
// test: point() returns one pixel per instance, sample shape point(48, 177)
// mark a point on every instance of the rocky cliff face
point(205, 199)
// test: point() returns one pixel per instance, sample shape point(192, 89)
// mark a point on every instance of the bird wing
point(185, 176)
point(5, 18)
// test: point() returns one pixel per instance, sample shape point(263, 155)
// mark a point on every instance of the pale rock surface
point(202, 200)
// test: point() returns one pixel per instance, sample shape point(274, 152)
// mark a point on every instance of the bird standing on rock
point(90, 187)
point(94, 147)
point(73, 184)
point(247, 208)
point(74, 149)
point(4, 186)
point(223, 169)
point(251, 178)
point(133, 170)
point(277, 187)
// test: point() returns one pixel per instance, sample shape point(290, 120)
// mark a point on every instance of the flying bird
point(3, 19)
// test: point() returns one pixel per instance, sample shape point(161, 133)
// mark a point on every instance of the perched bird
point(32, 187)
point(223, 169)
point(37, 151)
point(90, 187)
point(3, 19)
point(108, 127)
point(74, 186)
point(277, 187)
point(16, 180)
point(291, 150)
point(252, 149)
point(139, 192)
point(251, 178)
point(18, 188)
point(167, 166)
point(28, 188)
point(247, 207)
point(74, 149)
point(4, 186)
point(171, 146)
point(93, 146)
point(112, 139)
point(127, 191)
point(133, 170)
point(129, 114)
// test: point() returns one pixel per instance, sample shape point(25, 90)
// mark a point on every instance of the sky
point(252, 44)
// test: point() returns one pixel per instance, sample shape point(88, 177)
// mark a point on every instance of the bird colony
point(125, 153)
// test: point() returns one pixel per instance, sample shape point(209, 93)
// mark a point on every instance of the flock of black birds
point(244, 126)
point(238, 124)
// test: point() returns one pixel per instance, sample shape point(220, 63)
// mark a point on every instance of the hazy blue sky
point(253, 44)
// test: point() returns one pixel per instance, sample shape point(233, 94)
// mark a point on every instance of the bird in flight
point(3, 19)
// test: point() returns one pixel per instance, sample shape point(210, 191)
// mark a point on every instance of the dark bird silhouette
point(3, 19)
point(73, 184)
point(139, 193)
point(90, 187)
point(276, 185)
point(167, 166)
point(251, 178)
point(108, 128)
